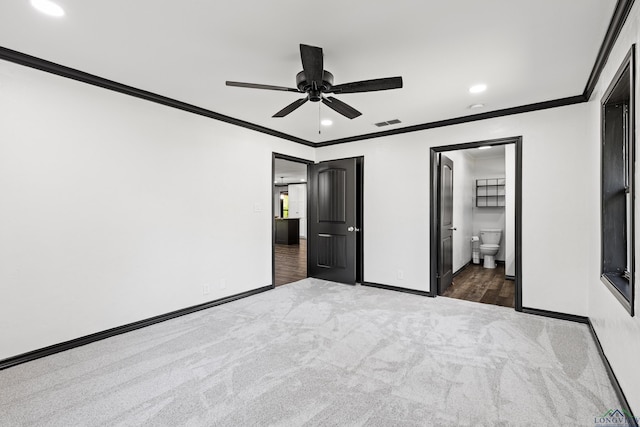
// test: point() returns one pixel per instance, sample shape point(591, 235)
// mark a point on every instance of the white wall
point(619, 333)
point(115, 209)
point(489, 217)
point(509, 211)
point(554, 197)
point(463, 192)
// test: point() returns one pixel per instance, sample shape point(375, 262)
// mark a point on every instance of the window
point(617, 186)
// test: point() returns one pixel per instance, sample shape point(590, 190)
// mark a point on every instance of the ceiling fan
point(315, 81)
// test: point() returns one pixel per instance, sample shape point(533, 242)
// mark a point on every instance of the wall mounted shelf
point(490, 192)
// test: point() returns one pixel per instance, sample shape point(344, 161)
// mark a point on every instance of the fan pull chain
point(319, 128)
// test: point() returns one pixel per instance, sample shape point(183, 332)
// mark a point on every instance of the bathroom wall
point(489, 217)
point(509, 237)
point(465, 172)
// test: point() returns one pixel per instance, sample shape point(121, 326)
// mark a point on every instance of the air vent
point(387, 123)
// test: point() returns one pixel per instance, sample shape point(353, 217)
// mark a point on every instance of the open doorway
point(290, 219)
point(476, 222)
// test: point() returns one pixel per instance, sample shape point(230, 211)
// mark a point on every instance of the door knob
point(350, 229)
point(452, 228)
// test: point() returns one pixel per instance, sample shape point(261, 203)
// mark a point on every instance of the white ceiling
point(494, 151)
point(525, 51)
point(288, 172)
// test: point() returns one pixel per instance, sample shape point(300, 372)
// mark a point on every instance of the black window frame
point(617, 186)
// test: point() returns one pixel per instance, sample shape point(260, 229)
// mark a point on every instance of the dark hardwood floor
point(478, 284)
point(291, 262)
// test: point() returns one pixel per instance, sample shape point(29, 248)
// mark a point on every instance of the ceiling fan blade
point(368, 85)
point(340, 107)
point(312, 64)
point(291, 107)
point(259, 86)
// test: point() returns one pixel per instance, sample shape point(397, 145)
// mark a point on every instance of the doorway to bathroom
point(476, 221)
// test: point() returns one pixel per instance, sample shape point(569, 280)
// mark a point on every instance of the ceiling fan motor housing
point(315, 94)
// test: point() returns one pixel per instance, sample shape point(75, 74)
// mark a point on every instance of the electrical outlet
point(206, 289)
point(400, 274)
point(257, 207)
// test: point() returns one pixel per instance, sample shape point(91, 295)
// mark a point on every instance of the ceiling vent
point(387, 123)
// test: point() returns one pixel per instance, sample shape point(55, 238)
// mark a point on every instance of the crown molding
point(620, 15)
point(460, 120)
point(618, 19)
point(71, 73)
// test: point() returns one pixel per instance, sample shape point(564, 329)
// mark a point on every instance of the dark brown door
point(332, 221)
point(445, 254)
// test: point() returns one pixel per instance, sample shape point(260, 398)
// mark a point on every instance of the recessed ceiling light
point(474, 106)
point(478, 88)
point(48, 7)
point(484, 147)
point(326, 122)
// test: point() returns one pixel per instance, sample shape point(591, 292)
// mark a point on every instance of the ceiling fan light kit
point(315, 81)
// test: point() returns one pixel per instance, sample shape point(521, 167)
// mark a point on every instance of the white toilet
point(490, 246)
